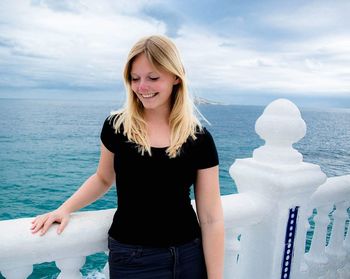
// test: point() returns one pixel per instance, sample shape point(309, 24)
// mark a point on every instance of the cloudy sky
point(234, 51)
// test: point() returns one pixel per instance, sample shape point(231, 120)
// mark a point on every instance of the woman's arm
point(210, 215)
point(93, 188)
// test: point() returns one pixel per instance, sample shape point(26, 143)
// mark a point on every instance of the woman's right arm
point(92, 189)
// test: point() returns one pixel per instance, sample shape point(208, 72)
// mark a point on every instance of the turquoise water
point(49, 147)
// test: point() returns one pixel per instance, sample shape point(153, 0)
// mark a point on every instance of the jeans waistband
point(146, 247)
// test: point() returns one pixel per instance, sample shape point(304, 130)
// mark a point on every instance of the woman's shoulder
point(112, 120)
point(113, 116)
point(200, 136)
point(204, 149)
point(111, 127)
point(202, 132)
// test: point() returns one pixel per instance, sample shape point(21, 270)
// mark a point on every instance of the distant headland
point(202, 101)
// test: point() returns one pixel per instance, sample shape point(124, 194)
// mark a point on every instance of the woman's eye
point(134, 79)
point(154, 78)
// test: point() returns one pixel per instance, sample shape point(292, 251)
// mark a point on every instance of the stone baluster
point(18, 272)
point(236, 245)
point(105, 270)
point(316, 258)
point(278, 174)
point(70, 267)
point(240, 211)
point(232, 247)
point(347, 244)
point(335, 250)
point(304, 268)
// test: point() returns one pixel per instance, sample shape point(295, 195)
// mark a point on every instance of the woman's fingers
point(43, 222)
point(63, 224)
point(47, 224)
point(35, 220)
point(38, 222)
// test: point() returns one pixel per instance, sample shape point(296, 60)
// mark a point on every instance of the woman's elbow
point(106, 181)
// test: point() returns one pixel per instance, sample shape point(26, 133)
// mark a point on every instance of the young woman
point(155, 149)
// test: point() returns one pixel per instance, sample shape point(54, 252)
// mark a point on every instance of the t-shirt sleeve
point(108, 135)
point(207, 155)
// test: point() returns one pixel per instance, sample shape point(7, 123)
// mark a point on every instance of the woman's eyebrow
point(149, 73)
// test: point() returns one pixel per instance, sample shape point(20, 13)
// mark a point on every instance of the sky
point(237, 52)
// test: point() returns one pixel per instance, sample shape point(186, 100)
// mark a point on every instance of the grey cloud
point(61, 6)
point(17, 50)
point(6, 43)
point(26, 53)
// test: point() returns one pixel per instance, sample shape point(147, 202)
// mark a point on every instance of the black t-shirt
point(154, 206)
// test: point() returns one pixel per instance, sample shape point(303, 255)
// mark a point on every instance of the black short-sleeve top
point(154, 206)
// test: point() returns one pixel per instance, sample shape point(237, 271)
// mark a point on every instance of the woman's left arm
point(210, 215)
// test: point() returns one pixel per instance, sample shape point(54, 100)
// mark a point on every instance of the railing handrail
point(87, 232)
point(336, 189)
point(243, 210)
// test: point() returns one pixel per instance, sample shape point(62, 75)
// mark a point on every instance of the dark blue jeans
point(137, 262)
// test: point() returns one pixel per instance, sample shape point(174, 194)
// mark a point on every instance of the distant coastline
point(202, 101)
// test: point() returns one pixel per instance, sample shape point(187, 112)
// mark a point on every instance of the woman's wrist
point(64, 209)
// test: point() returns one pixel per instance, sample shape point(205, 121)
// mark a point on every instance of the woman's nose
point(143, 86)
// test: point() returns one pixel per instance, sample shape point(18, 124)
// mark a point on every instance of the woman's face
point(152, 86)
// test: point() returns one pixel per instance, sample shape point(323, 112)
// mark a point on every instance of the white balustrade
point(265, 224)
point(316, 258)
point(335, 250)
point(330, 261)
point(240, 210)
point(346, 245)
point(86, 234)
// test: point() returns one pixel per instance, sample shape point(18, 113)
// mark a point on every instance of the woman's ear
point(177, 80)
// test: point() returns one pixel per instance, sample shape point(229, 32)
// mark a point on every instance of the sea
point(50, 147)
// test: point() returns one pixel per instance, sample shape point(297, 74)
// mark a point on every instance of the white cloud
point(297, 68)
point(81, 48)
point(315, 17)
point(313, 59)
point(84, 44)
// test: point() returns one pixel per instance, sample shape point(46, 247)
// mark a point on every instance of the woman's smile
point(147, 96)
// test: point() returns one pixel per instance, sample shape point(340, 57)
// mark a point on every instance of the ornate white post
point(273, 247)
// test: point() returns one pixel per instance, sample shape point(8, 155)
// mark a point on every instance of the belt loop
point(173, 253)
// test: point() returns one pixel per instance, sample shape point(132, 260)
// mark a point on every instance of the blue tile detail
point(289, 242)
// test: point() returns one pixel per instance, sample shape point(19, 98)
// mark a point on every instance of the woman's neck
point(157, 116)
point(158, 129)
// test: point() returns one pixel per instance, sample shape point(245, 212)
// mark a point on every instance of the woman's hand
point(43, 222)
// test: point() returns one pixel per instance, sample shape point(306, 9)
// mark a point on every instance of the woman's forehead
point(141, 63)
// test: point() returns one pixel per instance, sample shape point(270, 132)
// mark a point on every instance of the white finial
point(280, 126)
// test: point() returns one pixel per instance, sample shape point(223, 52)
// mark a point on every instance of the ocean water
point(49, 147)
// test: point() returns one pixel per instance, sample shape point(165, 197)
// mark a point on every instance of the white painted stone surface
point(277, 173)
point(86, 234)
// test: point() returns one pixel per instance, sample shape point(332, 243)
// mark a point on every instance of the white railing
point(332, 201)
point(86, 234)
point(266, 223)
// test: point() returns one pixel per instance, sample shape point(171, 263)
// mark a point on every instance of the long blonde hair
point(162, 53)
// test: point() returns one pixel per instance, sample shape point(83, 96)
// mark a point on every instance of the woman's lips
point(147, 96)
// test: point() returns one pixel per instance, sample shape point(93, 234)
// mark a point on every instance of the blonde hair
point(162, 53)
